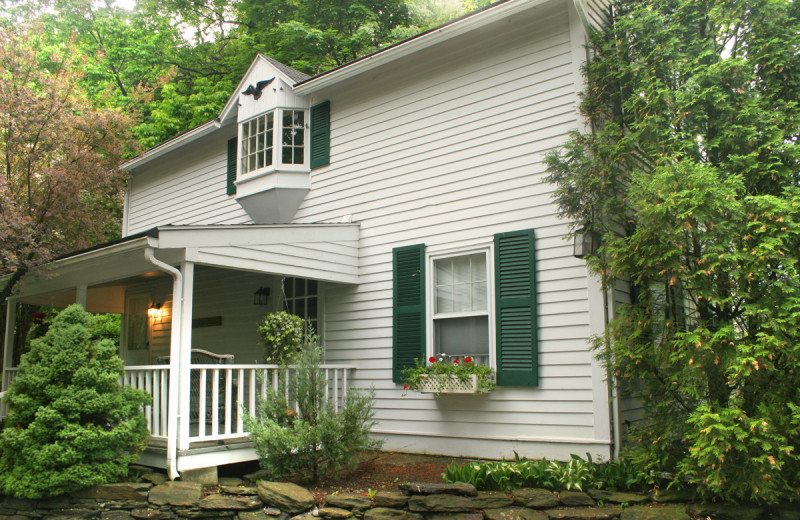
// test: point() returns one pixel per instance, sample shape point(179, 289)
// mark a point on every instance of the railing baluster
point(156, 408)
point(253, 379)
point(201, 418)
point(239, 400)
point(228, 392)
point(215, 402)
point(336, 390)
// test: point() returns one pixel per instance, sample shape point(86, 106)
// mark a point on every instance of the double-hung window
point(471, 303)
point(460, 310)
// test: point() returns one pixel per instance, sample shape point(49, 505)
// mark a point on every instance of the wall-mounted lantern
point(261, 296)
point(155, 310)
point(585, 243)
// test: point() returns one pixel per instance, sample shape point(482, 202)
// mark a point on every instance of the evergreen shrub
point(70, 424)
point(316, 440)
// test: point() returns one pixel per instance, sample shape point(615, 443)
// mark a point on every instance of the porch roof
point(326, 252)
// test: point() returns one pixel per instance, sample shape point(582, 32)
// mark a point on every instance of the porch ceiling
point(323, 252)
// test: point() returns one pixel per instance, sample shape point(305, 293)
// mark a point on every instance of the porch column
point(8, 343)
point(81, 295)
point(184, 412)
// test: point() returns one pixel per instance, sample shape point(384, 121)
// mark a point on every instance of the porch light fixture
point(261, 296)
point(585, 243)
point(154, 310)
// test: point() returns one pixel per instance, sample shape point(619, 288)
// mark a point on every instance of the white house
point(398, 202)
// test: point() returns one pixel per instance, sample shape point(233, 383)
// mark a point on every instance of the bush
point(577, 473)
point(283, 335)
point(316, 440)
point(70, 423)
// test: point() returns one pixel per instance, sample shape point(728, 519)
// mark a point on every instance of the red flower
point(467, 359)
point(405, 387)
point(455, 361)
point(432, 359)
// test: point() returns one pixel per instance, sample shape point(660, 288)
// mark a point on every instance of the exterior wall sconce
point(154, 311)
point(585, 243)
point(261, 296)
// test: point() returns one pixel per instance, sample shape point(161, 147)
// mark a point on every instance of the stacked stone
point(160, 499)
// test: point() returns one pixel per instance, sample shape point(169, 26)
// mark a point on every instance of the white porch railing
point(9, 374)
point(153, 379)
point(219, 393)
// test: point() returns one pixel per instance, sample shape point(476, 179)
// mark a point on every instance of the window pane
point(444, 272)
point(287, 118)
point(261, 121)
point(288, 287)
point(462, 336)
point(299, 118)
point(298, 136)
point(252, 160)
point(312, 308)
point(462, 297)
point(287, 137)
point(312, 287)
point(298, 155)
point(444, 298)
point(260, 142)
point(461, 271)
point(286, 156)
point(252, 146)
point(478, 268)
point(480, 298)
point(260, 160)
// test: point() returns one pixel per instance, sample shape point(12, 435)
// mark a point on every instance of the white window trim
point(277, 133)
point(430, 282)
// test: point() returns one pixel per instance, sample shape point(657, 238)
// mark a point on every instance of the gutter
point(174, 360)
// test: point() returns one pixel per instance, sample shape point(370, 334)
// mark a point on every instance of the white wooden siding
point(449, 156)
point(187, 190)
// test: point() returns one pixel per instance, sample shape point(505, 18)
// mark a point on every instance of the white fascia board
point(172, 144)
point(416, 44)
point(124, 247)
point(180, 237)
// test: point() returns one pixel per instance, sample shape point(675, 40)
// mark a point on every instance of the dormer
point(271, 158)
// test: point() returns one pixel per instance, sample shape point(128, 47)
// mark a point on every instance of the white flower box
point(441, 384)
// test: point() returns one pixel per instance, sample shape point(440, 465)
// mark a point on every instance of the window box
point(443, 384)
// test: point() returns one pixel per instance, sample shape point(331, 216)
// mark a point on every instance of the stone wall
point(284, 501)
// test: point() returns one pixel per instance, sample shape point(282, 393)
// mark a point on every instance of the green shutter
point(515, 298)
point(231, 188)
point(408, 318)
point(321, 134)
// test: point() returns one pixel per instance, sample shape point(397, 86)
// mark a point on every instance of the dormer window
point(262, 147)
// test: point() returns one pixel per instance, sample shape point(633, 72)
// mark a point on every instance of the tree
point(690, 176)
point(70, 423)
point(61, 185)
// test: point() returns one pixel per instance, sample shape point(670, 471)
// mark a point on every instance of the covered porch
point(190, 299)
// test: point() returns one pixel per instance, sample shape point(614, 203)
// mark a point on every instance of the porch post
point(8, 343)
point(81, 295)
point(184, 411)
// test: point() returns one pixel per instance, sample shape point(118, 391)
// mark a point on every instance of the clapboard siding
point(189, 189)
point(449, 159)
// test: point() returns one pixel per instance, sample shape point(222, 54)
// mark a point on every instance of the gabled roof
point(304, 84)
point(294, 74)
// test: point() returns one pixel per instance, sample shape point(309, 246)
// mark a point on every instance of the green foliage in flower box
point(441, 370)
